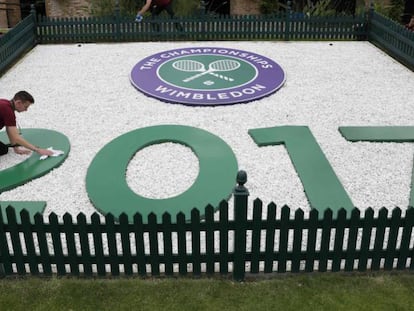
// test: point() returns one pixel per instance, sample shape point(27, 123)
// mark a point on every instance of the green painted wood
point(153, 242)
point(182, 244)
point(352, 240)
point(241, 195)
point(5, 260)
point(283, 240)
point(32, 167)
point(325, 240)
point(112, 249)
point(379, 239)
point(16, 42)
point(209, 239)
point(398, 134)
point(195, 242)
point(72, 256)
point(367, 226)
point(29, 242)
point(339, 240)
point(224, 237)
point(40, 227)
point(391, 37)
point(126, 243)
point(32, 207)
point(256, 235)
point(57, 244)
point(139, 244)
point(108, 189)
point(297, 240)
point(322, 187)
point(378, 133)
point(311, 240)
point(405, 240)
point(15, 241)
point(167, 241)
point(98, 244)
point(391, 249)
point(270, 224)
point(84, 244)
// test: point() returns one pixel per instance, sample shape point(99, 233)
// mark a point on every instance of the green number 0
point(106, 177)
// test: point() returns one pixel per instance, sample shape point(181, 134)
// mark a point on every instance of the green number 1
point(322, 187)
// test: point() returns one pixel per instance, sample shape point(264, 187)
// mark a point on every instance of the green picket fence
point(394, 39)
point(201, 28)
point(386, 34)
point(236, 245)
point(16, 42)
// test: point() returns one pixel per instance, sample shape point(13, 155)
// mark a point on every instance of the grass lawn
point(324, 291)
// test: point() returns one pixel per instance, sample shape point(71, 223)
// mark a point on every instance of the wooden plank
point(270, 238)
point(297, 240)
point(391, 249)
point(57, 244)
point(379, 239)
point(15, 241)
point(325, 240)
point(283, 240)
point(256, 235)
point(195, 242)
point(98, 245)
point(311, 241)
point(209, 240)
point(352, 240)
point(405, 240)
point(224, 237)
point(126, 243)
point(153, 243)
point(5, 260)
point(29, 241)
point(140, 244)
point(368, 224)
point(84, 244)
point(167, 240)
point(182, 244)
point(112, 249)
point(45, 261)
point(71, 244)
point(339, 240)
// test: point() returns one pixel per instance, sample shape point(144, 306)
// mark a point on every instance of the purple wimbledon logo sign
point(207, 76)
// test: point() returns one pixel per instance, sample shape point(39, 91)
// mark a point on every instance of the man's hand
point(139, 18)
point(20, 150)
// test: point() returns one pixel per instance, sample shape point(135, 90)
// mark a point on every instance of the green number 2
point(32, 167)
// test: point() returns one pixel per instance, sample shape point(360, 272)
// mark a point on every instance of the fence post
point(2, 272)
point(241, 195)
point(117, 21)
point(33, 14)
point(368, 19)
point(287, 20)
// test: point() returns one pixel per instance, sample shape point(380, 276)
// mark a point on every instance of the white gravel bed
point(85, 93)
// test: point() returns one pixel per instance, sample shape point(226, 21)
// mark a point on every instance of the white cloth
point(56, 153)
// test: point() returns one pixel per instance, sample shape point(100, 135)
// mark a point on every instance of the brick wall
point(240, 7)
point(67, 8)
point(11, 16)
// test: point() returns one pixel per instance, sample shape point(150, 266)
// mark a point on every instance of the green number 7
point(396, 134)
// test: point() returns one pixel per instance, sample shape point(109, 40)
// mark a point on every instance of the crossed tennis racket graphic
point(221, 65)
